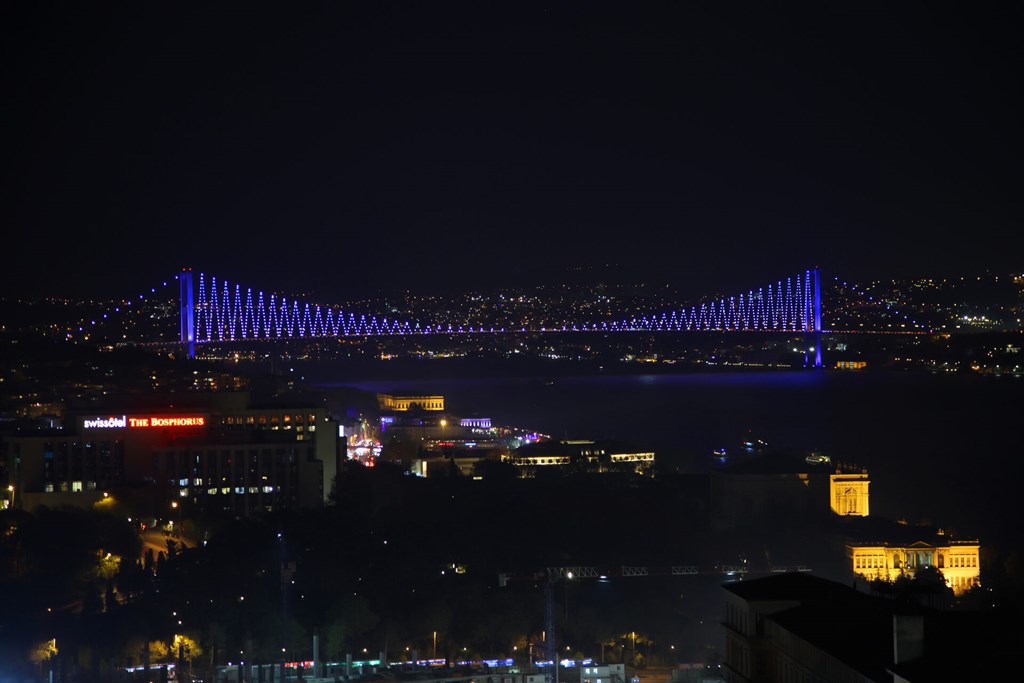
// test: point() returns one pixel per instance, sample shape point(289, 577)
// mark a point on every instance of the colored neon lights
point(106, 423)
point(190, 421)
point(124, 422)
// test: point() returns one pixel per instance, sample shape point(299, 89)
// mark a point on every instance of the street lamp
point(177, 528)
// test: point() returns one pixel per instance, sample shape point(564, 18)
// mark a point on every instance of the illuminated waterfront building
point(401, 402)
point(582, 455)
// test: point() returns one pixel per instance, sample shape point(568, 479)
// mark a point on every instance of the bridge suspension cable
point(217, 311)
point(790, 305)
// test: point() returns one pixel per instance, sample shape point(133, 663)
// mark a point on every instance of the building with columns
point(958, 560)
point(401, 402)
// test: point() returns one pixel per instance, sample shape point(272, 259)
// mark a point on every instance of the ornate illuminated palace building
point(956, 559)
point(781, 487)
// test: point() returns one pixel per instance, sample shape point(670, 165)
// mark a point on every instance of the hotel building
point(220, 451)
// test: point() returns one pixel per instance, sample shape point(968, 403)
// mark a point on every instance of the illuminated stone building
point(774, 488)
point(957, 560)
point(582, 455)
point(849, 493)
point(402, 402)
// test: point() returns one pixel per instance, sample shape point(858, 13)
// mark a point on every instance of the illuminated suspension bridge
point(215, 311)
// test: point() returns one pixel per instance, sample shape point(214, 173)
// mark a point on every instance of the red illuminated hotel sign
point(123, 422)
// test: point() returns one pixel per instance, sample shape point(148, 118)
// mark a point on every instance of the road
point(156, 540)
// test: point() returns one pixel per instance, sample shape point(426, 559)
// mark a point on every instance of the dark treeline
point(396, 565)
point(393, 560)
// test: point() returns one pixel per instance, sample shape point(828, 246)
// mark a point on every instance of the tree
point(188, 646)
point(159, 651)
point(926, 586)
point(109, 566)
point(44, 651)
point(350, 616)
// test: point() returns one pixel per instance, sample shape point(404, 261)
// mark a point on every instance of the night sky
point(342, 148)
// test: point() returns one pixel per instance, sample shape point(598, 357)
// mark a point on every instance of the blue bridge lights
point(217, 312)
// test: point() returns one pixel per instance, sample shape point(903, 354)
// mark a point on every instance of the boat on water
point(818, 458)
point(719, 453)
point(754, 444)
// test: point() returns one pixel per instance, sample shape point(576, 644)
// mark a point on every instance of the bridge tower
point(817, 317)
point(188, 336)
point(813, 321)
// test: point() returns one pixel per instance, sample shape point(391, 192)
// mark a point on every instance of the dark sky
point(346, 147)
